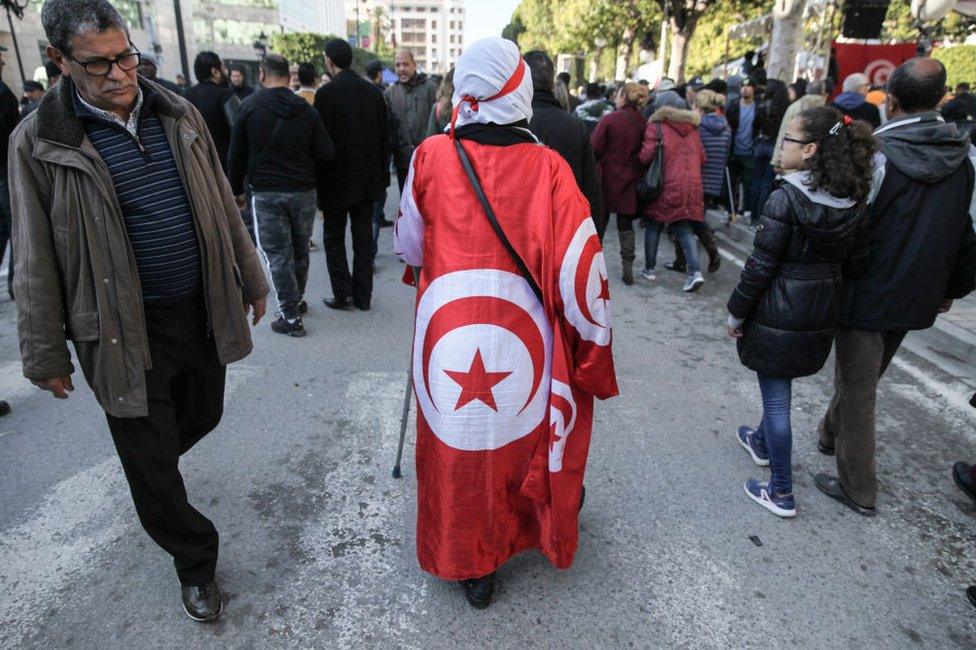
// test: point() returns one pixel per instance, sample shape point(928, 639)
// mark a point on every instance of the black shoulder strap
point(660, 133)
point(480, 193)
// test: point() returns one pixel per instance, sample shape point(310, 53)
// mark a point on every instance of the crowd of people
point(131, 191)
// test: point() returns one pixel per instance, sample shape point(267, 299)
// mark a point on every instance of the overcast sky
point(486, 18)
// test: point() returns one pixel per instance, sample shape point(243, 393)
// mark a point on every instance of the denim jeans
point(775, 432)
point(283, 223)
point(686, 239)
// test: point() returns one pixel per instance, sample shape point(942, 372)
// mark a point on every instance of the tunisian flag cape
point(504, 384)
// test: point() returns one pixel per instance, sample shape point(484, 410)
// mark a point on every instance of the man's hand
point(734, 333)
point(57, 386)
point(241, 200)
point(945, 306)
point(260, 307)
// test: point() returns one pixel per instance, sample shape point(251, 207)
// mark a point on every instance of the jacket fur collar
point(56, 120)
point(678, 115)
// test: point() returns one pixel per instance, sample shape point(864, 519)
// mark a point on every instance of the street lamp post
point(261, 46)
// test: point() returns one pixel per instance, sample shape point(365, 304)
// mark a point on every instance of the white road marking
point(955, 394)
point(79, 517)
point(731, 257)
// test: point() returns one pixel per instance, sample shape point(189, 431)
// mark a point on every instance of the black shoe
point(362, 305)
point(831, 486)
point(336, 303)
point(714, 263)
point(971, 594)
point(203, 604)
point(674, 266)
point(303, 308)
point(582, 496)
point(4, 408)
point(386, 223)
point(961, 473)
point(291, 328)
point(478, 591)
point(824, 449)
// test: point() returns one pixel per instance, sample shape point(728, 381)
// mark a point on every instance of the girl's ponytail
point(842, 165)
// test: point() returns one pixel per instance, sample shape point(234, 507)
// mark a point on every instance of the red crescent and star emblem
point(482, 359)
point(562, 418)
point(585, 287)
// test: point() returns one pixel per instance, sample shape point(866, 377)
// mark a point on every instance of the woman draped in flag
point(510, 345)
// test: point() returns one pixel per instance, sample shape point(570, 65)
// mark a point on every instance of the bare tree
point(785, 41)
point(682, 16)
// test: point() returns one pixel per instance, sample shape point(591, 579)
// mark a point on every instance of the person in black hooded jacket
point(786, 306)
point(278, 145)
point(922, 256)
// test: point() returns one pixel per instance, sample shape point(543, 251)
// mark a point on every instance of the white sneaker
point(648, 274)
point(693, 282)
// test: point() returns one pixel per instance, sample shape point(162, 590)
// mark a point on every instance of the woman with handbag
point(512, 335)
point(673, 148)
point(616, 141)
point(786, 306)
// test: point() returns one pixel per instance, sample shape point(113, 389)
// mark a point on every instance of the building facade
point(432, 30)
point(228, 27)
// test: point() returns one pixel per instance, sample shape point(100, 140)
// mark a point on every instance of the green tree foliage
point(960, 63)
point(302, 47)
point(707, 48)
point(899, 25)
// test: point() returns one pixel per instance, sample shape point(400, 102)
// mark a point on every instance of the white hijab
point(482, 73)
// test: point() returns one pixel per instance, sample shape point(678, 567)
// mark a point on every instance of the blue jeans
point(686, 239)
point(775, 432)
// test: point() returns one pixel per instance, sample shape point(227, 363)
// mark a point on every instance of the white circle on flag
point(483, 384)
point(584, 285)
point(878, 71)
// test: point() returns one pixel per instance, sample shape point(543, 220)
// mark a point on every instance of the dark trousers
point(185, 389)
point(284, 222)
point(742, 167)
point(6, 218)
point(379, 216)
point(862, 357)
point(402, 178)
point(359, 284)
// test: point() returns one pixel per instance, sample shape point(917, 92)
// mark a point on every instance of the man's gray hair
point(65, 19)
point(855, 81)
point(817, 87)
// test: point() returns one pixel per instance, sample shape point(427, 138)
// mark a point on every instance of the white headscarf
point(492, 84)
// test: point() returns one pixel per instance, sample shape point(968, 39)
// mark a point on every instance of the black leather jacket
point(789, 292)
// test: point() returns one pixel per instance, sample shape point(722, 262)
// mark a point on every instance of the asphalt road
point(318, 540)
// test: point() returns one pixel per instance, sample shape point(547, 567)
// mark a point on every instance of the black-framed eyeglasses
point(102, 67)
point(787, 138)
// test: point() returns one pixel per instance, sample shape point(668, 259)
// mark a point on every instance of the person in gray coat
point(410, 100)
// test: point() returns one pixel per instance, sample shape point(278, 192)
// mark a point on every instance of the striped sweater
point(156, 210)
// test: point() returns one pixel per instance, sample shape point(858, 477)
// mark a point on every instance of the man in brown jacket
point(128, 243)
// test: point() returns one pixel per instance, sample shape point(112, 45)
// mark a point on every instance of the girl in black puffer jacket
point(785, 308)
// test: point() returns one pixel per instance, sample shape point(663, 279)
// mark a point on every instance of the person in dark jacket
point(741, 114)
point(853, 100)
point(567, 135)
point(238, 82)
point(784, 310)
point(278, 145)
point(769, 117)
point(922, 255)
point(616, 143)
point(149, 69)
point(410, 99)
point(681, 202)
point(354, 111)
point(594, 108)
point(216, 103)
point(9, 118)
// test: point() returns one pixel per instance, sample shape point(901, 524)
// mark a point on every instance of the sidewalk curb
point(945, 340)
